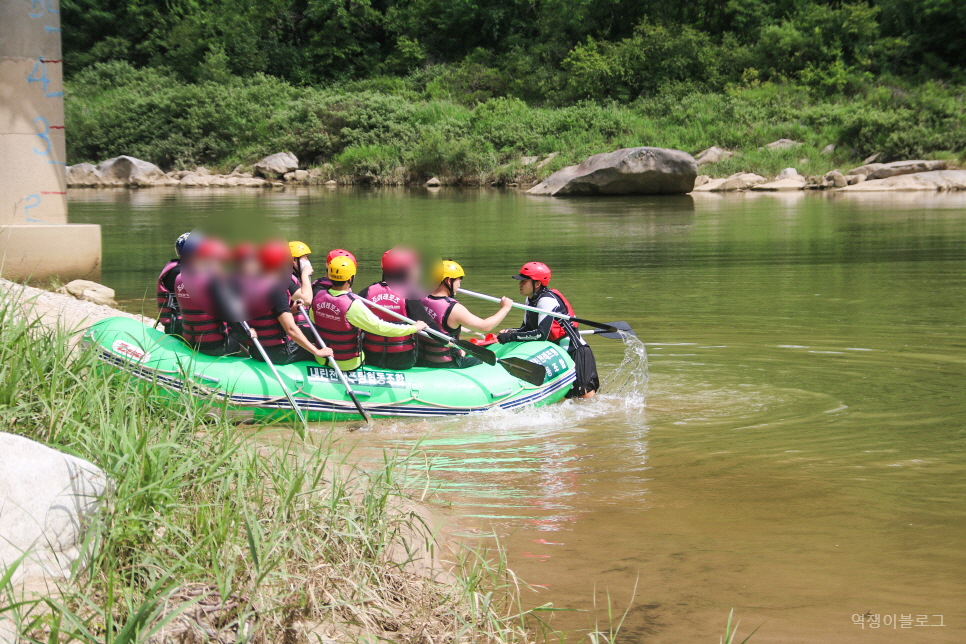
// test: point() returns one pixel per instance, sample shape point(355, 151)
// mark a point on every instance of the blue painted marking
point(42, 79)
point(27, 206)
point(56, 162)
point(45, 135)
point(47, 28)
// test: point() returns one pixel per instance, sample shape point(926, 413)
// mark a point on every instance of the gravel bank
point(54, 308)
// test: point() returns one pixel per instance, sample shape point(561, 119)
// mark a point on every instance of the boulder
point(528, 160)
point(866, 168)
point(193, 180)
point(739, 181)
point(252, 182)
point(332, 183)
point(712, 155)
point(828, 149)
point(630, 171)
point(837, 179)
point(937, 180)
point(47, 497)
point(433, 183)
point(547, 159)
point(780, 185)
point(83, 175)
point(202, 171)
point(782, 144)
point(301, 176)
point(89, 291)
point(886, 170)
point(128, 171)
point(218, 181)
point(855, 178)
point(871, 159)
point(709, 185)
point(789, 173)
point(276, 165)
point(700, 180)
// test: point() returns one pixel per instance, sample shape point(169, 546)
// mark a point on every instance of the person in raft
point(169, 313)
point(341, 317)
point(276, 330)
point(324, 283)
point(203, 330)
point(534, 278)
point(301, 280)
point(397, 292)
point(449, 317)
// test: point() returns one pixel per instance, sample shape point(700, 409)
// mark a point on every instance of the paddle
point(335, 366)
point(517, 367)
point(623, 329)
point(261, 350)
point(563, 316)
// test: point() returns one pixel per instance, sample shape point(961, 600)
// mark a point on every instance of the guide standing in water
point(534, 278)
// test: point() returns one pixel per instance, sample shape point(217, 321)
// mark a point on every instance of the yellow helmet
point(341, 269)
point(299, 249)
point(449, 268)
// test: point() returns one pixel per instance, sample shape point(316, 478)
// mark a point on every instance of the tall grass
point(212, 535)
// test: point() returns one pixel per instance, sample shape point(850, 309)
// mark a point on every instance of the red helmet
point(338, 252)
point(273, 255)
point(398, 260)
point(212, 249)
point(536, 271)
point(243, 251)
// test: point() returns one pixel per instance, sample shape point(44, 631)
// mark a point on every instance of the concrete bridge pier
point(36, 242)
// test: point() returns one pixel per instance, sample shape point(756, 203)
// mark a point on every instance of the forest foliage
point(466, 85)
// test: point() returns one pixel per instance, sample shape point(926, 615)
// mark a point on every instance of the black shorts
point(587, 379)
point(398, 361)
point(284, 353)
point(227, 347)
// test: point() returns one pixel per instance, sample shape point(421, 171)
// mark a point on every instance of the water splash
point(629, 380)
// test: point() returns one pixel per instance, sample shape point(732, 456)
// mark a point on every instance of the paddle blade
point(485, 355)
point(525, 370)
point(620, 330)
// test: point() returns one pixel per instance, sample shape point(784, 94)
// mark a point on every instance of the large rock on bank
point(276, 165)
point(128, 171)
point(46, 497)
point(83, 175)
point(935, 181)
point(89, 291)
point(630, 171)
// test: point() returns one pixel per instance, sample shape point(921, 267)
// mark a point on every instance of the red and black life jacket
point(200, 327)
point(269, 329)
point(330, 313)
point(168, 309)
point(557, 331)
point(431, 349)
point(381, 293)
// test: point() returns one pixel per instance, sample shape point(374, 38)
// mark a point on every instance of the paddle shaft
point(335, 366)
point(399, 316)
point(261, 350)
point(517, 367)
point(562, 316)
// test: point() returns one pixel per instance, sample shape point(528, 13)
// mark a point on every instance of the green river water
point(801, 454)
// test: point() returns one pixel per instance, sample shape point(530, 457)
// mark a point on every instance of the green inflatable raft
point(247, 388)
